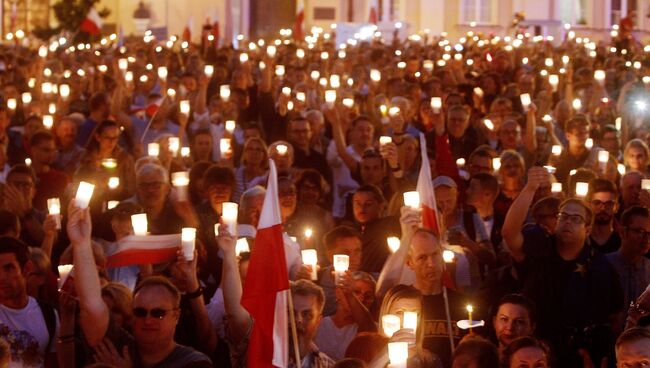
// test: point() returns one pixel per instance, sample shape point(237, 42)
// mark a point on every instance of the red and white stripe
point(427, 195)
point(373, 17)
point(298, 31)
point(266, 288)
point(92, 24)
point(149, 249)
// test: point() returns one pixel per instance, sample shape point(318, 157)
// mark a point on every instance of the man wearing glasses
point(572, 284)
point(629, 262)
point(603, 200)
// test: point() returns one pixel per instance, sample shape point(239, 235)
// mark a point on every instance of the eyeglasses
point(608, 204)
point(157, 313)
point(574, 219)
point(639, 232)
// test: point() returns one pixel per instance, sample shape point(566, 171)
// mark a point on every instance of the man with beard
point(69, 153)
point(602, 198)
point(575, 289)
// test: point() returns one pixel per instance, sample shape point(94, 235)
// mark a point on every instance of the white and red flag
point(373, 17)
point(298, 32)
point(141, 249)
point(187, 31)
point(92, 24)
point(265, 293)
point(427, 195)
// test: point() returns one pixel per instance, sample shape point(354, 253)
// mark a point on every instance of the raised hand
point(79, 225)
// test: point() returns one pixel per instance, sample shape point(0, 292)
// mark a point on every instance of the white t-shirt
point(341, 177)
point(26, 332)
point(332, 340)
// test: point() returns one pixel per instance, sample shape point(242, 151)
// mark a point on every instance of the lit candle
point(225, 148)
point(393, 243)
point(599, 76)
point(554, 80)
point(279, 70)
point(224, 92)
point(525, 101)
point(12, 104)
point(460, 162)
point(310, 258)
point(188, 239)
point(375, 75)
point(122, 64)
point(112, 204)
point(393, 111)
point(185, 151)
point(230, 126)
point(383, 140)
point(470, 309)
point(153, 149)
point(286, 91)
point(128, 76)
point(412, 199)
point(229, 212)
point(181, 181)
point(281, 149)
point(436, 104)
point(621, 169)
point(300, 96)
point(54, 208)
point(185, 108)
point(330, 97)
point(398, 354)
point(582, 189)
point(162, 72)
point(208, 70)
point(488, 124)
point(174, 145)
point(410, 320)
point(645, 184)
point(390, 324)
point(271, 50)
point(64, 91)
point(27, 98)
point(139, 224)
point(496, 163)
point(478, 91)
point(109, 163)
point(84, 193)
point(241, 246)
point(603, 157)
point(341, 264)
point(28, 161)
point(64, 272)
point(589, 143)
point(556, 150)
point(448, 256)
point(556, 187)
point(577, 104)
point(171, 93)
point(48, 121)
point(348, 102)
point(550, 169)
point(113, 182)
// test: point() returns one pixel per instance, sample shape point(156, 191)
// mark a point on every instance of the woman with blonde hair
point(253, 164)
point(636, 156)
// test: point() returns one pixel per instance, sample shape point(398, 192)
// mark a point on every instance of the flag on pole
point(298, 33)
point(427, 195)
point(187, 31)
point(374, 12)
point(92, 24)
point(265, 294)
point(215, 31)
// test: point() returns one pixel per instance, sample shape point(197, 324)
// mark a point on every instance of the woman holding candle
point(104, 145)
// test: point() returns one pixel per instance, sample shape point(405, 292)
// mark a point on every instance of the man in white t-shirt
point(23, 323)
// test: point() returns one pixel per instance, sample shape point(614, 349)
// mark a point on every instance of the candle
point(113, 182)
point(84, 193)
point(496, 163)
point(621, 169)
point(436, 104)
point(582, 189)
point(525, 101)
point(645, 184)
point(180, 181)
point(603, 157)
point(341, 264)
point(427, 65)
point(393, 243)
point(390, 324)
point(109, 163)
point(281, 149)
point(188, 238)
point(64, 91)
point(162, 72)
point(315, 74)
point(554, 80)
point(589, 143)
point(174, 145)
point(335, 81)
point(279, 70)
point(270, 50)
point(139, 224)
point(478, 91)
point(128, 76)
point(448, 256)
point(460, 162)
point(28, 161)
point(242, 246)
point(122, 64)
point(64, 273)
point(48, 121)
point(46, 87)
point(185, 151)
point(11, 104)
point(577, 104)
point(26, 98)
point(383, 140)
point(185, 107)
point(208, 70)
point(224, 92)
point(556, 150)
point(550, 169)
point(556, 187)
point(330, 97)
point(112, 204)
point(410, 320)
point(548, 62)
point(225, 148)
point(488, 124)
point(470, 309)
point(171, 93)
point(375, 75)
point(300, 53)
point(230, 126)
point(398, 354)
point(348, 102)
point(42, 51)
point(310, 258)
point(599, 76)
point(412, 199)
point(153, 149)
point(54, 208)
point(286, 91)
point(229, 212)
point(300, 96)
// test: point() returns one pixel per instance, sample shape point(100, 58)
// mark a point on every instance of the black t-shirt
point(611, 245)
point(570, 295)
point(435, 333)
point(373, 240)
point(567, 162)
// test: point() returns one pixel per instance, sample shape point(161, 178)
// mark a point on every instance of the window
point(479, 11)
point(574, 11)
point(621, 9)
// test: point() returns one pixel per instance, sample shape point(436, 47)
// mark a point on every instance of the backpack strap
point(50, 321)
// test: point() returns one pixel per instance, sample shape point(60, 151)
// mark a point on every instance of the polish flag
point(427, 195)
point(215, 31)
point(92, 24)
point(298, 33)
point(187, 31)
point(144, 249)
point(374, 10)
point(266, 288)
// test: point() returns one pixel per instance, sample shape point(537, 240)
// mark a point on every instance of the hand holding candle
point(181, 181)
point(229, 212)
point(84, 193)
point(54, 208)
point(139, 224)
point(412, 199)
point(341, 265)
point(310, 258)
point(188, 242)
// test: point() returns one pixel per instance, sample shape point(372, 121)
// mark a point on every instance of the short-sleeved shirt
point(435, 328)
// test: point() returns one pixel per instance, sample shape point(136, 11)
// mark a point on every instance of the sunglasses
point(158, 313)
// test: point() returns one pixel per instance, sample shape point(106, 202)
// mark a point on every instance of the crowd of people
point(537, 150)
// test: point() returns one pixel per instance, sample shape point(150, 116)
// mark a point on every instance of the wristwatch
point(195, 294)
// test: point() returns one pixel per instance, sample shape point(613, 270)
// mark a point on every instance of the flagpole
point(294, 334)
